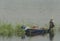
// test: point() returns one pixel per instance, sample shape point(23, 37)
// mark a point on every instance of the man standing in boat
point(51, 24)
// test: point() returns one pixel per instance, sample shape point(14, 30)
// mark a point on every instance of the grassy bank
point(9, 30)
point(6, 30)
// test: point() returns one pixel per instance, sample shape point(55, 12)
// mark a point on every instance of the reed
point(6, 29)
point(19, 31)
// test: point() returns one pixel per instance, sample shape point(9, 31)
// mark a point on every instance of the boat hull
point(34, 32)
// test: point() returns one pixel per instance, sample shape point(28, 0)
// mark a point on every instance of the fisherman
point(51, 25)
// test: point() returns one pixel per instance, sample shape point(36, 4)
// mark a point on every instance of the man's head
point(51, 20)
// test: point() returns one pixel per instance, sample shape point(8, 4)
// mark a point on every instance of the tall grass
point(8, 30)
point(19, 31)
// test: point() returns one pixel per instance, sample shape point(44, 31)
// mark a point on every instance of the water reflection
point(23, 37)
point(51, 35)
point(35, 38)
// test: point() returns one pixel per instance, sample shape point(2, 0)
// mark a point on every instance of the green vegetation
point(19, 31)
point(6, 30)
point(9, 30)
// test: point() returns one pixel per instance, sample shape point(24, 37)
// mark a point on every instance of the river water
point(35, 38)
point(29, 11)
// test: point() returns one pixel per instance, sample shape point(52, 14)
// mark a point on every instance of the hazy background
point(31, 11)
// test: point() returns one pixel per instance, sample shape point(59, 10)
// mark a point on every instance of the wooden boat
point(34, 32)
